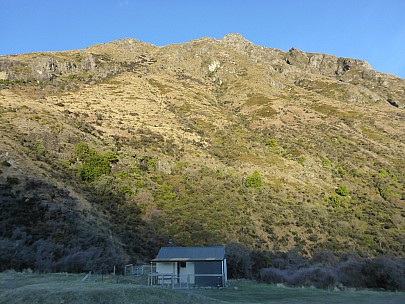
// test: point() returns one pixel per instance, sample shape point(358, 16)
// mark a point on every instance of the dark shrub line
point(322, 270)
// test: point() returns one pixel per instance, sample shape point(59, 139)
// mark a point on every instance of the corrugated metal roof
point(211, 253)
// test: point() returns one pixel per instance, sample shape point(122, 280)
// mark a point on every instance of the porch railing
point(185, 281)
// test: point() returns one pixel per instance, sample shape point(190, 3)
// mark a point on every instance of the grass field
point(68, 288)
point(252, 292)
point(64, 288)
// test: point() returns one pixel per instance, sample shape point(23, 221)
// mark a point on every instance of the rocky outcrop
point(51, 67)
point(328, 65)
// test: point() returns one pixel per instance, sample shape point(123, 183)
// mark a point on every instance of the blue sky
point(373, 30)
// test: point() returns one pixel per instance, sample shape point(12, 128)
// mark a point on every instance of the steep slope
point(127, 144)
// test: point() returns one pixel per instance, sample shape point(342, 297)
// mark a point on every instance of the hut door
point(182, 272)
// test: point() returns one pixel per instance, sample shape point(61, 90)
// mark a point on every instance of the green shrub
point(382, 174)
point(152, 164)
point(254, 180)
point(280, 151)
point(340, 170)
point(301, 160)
point(92, 164)
point(164, 194)
point(271, 143)
point(147, 163)
point(342, 190)
point(326, 162)
point(126, 189)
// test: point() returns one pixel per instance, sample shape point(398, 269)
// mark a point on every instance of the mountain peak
point(234, 37)
point(235, 40)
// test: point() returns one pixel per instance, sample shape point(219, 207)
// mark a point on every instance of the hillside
point(108, 152)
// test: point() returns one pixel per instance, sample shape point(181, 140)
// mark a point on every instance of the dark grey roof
point(212, 253)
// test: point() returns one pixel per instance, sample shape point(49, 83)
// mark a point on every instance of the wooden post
point(222, 272)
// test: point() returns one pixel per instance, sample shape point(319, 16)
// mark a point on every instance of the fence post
point(128, 266)
point(87, 276)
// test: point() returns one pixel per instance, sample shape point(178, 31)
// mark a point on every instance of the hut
point(185, 267)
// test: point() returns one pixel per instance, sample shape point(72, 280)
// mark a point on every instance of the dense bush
point(323, 257)
point(384, 272)
point(91, 164)
point(272, 275)
point(41, 229)
point(321, 277)
point(15, 255)
point(239, 261)
point(350, 271)
point(322, 270)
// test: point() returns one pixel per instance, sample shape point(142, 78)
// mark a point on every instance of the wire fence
point(138, 270)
